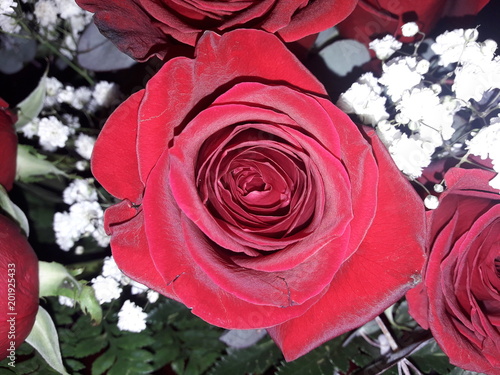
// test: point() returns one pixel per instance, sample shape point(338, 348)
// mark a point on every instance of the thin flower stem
point(387, 334)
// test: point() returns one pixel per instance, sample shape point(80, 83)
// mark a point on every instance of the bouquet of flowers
point(179, 193)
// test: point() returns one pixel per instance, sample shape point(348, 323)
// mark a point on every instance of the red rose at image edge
point(146, 28)
point(459, 299)
point(372, 19)
point(8, 146)
point(349, 237)
point(18, 288)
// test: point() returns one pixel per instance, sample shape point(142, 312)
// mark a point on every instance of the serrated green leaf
point(87, 347)
point(133, 341)
point(43, 337)
point(199, 361)
point(13, 211)
point(255, 359)
point(431, 357)
point(32, 105)
point(317, 362)
point(74, 364)
point(103, 362)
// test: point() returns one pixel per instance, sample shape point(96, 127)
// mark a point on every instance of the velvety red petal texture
point(249, 197)
point(372, 19)
point(146, 28)
point(19, 287)
point(8, 146)
point(383, 268)
point(459, 299)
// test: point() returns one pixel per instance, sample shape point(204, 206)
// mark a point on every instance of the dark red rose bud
point(18, 287)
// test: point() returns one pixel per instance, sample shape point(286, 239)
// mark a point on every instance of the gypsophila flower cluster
point(84, 218)
point(109, 287)
point(55, 132)
point(8, 22)
point(424, 109)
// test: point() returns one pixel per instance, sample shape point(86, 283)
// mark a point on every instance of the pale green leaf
point(31, 106)
point(31, 164)
point(43, 337)
point(13, 211)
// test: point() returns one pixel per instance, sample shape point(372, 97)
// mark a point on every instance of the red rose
point(373, 18)
point(459, 299)
point(18, 287)
point(248, 196)
point(8, 146)
point(146, 28)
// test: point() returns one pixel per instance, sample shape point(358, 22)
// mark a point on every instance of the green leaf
point(56, 280)
point(103, 363)
point(133, 341)
point(255, 359)
point(43, 337)
point(13, 211)
point(31, 164)
point(431, 357)
point(31, 107)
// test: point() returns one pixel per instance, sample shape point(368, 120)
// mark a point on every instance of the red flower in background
point(459, 298)
point(373, 18)
point(252, 199)
point(8, 146)
point(18, 287)
point(146, 28)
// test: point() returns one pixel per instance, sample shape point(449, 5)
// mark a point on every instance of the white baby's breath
point(385, 47)
point(106, 289)
point(409, 29)
point(84, 145)
point(53, 133)
point(131, 318)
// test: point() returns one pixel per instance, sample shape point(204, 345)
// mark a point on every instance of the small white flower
point(105, 93)
point(84, 145)
point(7, 6)
point(65, 231)
point(411, 155)
point(131, 318)
point(53, 133)
point(46, 13)
point(431, 202)
point(79, 191)
point(363, 101)
point(31, 128)
point(472, 80)
point(82, 165)
point(385, 47)
point(9, 24)
point(137, 288)
point(388, 133)
point(106, 289)
point(456, 45)
point(400, 75)
point(409, 29)
point(152, 296)
point(110, 269)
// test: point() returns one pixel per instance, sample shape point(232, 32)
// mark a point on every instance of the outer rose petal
point(8, 146)
point(123, 182)
point(146, 28)
point(17, 257)
point(357, 293)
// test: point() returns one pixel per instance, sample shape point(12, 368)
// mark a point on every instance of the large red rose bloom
point(459, 298)
point(8, 146)
point(146, 28)
point(249, 197)
point(18, 287)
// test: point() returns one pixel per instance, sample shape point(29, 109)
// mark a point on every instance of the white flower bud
point(431, 202)
point(409, 29)
point(438, 188)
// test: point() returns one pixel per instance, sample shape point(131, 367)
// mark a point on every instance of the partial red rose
point(146, 28)
point(374, 18)
point(18, 287)
point(249, 197)
point(8, 146)
point(459, 298)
